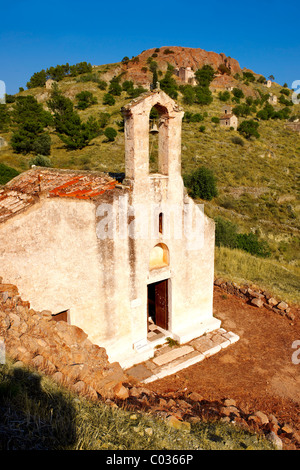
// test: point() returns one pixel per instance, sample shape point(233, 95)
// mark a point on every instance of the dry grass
point(36, 414)
point(283, 281)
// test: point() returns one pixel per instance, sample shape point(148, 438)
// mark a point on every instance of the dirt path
point(257, 371)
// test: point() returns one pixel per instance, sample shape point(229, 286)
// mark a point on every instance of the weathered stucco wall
point(51, 252)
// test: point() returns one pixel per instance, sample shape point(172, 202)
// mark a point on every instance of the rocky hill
point(177, 57)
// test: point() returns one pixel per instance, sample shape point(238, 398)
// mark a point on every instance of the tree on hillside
point(168, 84)
point(203, 95)
point(249, 129)
point(7, 173)
point(85, 99)
point(224, 96)
point(188, 94)
point(58, 73)
point(202, 184)
point(108, 99)
point(110, 133)
point(205, 75)
point(68, 125)
point(4, 117)
point(115, 88)
point(37, 79)
point(238, 93)
point(29, 123)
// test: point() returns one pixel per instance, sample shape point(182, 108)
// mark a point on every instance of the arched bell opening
point(157, 122)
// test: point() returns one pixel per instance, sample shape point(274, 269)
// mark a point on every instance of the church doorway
point(158, 305)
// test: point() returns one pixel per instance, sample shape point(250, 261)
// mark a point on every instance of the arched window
point(159, 256)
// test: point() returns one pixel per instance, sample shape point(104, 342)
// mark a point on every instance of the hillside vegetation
point(257, 176)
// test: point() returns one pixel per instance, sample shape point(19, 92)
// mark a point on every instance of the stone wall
point(57, 349)
point(256, 297)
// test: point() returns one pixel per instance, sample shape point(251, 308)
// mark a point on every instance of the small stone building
point(129, 262)
point(272, 99)
point(187, 75)
point(228, 119)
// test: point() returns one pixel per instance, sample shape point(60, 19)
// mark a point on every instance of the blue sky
point(261, 35)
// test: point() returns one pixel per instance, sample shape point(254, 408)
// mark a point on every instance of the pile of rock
point(256, 297)
point(181, 409)
point(56, 348)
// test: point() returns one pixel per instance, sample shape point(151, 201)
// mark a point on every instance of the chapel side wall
point(192, 283)
point(51, 254)
point(117, 256)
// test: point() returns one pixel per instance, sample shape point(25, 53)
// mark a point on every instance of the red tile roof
point(25, 189)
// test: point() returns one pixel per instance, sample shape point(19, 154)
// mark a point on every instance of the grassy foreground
point(36, 414)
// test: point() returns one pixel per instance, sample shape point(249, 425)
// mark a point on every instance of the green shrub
point(225, 233)
point(248, 76)
point(283, 100)
point(169, 85)
point(40, 160)
point(110, 133)
point(188, 94)
point(242, 110)
point(102, 85)
point(4, 117)
point(238, 141)
point(90, 77)
point(115, 87)
point(103, 119)
point(238, 93)
point(249, 242)
point(29, 119)
point(68, 125)
point(127, 85)
point(285, 91)
point(42, 144)
point(108, 99)
point(168, 51)
point(85, 99)
point(203, 95)
point(7, 173)
point(135, 92)
point(249, 129)
point(37, 79)
point(261, 79)
point(224, 96)
point(190, 117)
point(205, 76)
point(202, 184)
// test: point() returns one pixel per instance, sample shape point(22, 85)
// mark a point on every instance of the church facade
point(130, 263)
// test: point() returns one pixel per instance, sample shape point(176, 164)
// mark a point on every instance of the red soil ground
point(257, 371)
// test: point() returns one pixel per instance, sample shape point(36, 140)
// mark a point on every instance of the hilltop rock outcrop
point(177, 57)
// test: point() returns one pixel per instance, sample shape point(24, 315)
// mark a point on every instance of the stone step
point(175, 366)
point(173, 354)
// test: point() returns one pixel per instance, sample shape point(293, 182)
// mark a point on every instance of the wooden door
point(161, 304)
